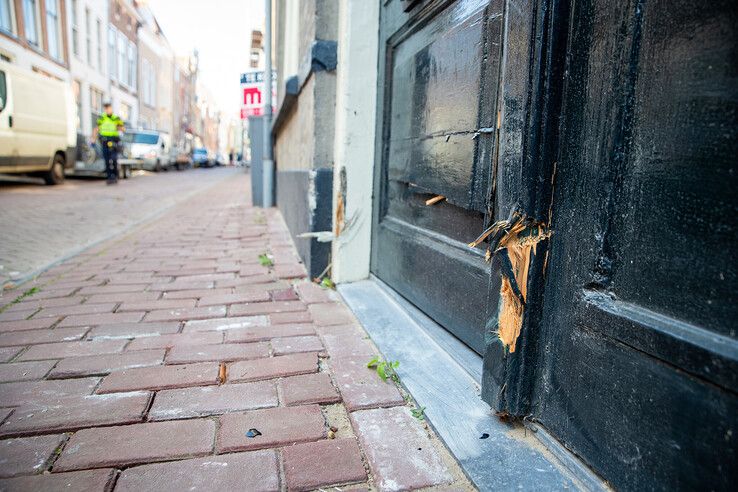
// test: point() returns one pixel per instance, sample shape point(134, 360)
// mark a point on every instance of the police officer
point(108, 128)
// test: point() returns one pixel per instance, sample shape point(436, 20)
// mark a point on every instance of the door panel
point(640, 373)
point(438, 70)
point(440, 74)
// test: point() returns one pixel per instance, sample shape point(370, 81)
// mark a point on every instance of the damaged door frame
point(524, 172)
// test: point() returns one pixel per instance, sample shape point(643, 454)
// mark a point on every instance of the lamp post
point(268, 163)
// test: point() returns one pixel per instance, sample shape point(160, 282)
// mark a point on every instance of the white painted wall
point(89, 72)
point(26, 58)
point(29, 60)
point(119, 97)
point(356, 98)
point(164, 75)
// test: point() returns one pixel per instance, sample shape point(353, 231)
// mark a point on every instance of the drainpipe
point(268, 163)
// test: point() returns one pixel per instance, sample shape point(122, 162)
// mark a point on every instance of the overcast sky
point(221, 31)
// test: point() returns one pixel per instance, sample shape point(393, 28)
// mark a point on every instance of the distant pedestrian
point(109, 127)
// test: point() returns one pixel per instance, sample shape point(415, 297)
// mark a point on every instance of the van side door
point(8, 142)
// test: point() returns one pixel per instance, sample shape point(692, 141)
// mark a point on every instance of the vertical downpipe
point(268, 166)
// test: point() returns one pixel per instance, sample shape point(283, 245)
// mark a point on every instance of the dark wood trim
point(534, 82)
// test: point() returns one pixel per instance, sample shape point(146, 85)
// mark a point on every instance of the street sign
point(252, 93)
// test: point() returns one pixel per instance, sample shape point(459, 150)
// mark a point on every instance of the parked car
point(201, 157)
point(147, 149)
point(37, 124)
point(221, 159)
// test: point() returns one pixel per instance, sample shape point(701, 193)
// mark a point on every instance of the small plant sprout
point(418, 413)
point(385, 369)
point(265, 260)
point(327, 283)
point(28, 293)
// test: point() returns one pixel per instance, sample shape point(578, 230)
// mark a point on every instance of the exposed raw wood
point(435, 199)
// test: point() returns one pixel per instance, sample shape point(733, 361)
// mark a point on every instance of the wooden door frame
point(531, 94)
point(397, 26)
point(523, 172)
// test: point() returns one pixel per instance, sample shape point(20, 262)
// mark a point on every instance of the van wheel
point(55, 175)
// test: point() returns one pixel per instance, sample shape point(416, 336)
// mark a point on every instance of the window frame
point(132, 58)
point(35, 21)
point(53, 20)
point(88, 36)
point(74, 6)
point(100, 45)
point(112, 53)
point(121, 45)
point(77, 93)
point(96, 104)
point(11, 18)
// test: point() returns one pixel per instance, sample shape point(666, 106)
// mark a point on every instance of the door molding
point(531, 95)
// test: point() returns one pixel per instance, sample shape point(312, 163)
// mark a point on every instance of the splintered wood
point(434, 200)
point(514, 241)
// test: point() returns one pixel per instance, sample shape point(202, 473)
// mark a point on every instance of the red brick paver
point(274, 367)
point(77, 412)
point(308, 388)
point(138, 443)
point(252, 471)
point(171, 359)
point(311, 465)
point(276, 426)
point(161, 377)
point(27, 455)
point(210, 400)
point(400, 453)
point(86, 480)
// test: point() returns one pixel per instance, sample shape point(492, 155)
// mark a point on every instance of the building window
point(96, 105)
point(122, 62)
point(131, 65)
point(7, 16)
point(144, 92)
point(53, 29)
point(77, 91)
point(99, 45)
point(125, 112)
point(148, 83)
point(31, 22)
point(112, 57)
point(88, 36)
point(75, 28)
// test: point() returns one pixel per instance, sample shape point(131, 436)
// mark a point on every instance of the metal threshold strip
point(444, 376)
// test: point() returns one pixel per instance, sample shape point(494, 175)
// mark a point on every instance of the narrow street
point(173, 357)
point(50, 223)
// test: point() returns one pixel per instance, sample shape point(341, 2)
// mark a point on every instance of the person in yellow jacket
point(109, 127)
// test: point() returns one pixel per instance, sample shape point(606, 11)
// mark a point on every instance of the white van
point(37, 124)
point(147, 149)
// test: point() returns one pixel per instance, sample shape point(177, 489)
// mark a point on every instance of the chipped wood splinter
point(435, 199)
point(512, 241)
point(222, 373)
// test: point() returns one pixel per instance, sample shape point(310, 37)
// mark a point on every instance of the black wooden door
point(638, 371)
point(439, 71)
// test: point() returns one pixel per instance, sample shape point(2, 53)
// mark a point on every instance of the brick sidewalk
point(172, 360)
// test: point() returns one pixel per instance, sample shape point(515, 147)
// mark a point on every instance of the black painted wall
point(305, 198)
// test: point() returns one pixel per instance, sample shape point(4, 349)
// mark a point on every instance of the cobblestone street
point(171, 358)
point(42, 224)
